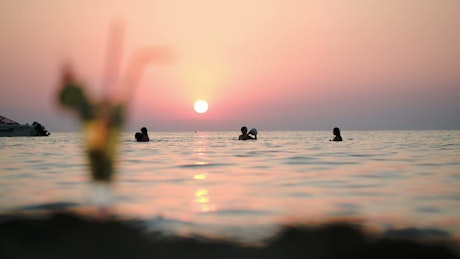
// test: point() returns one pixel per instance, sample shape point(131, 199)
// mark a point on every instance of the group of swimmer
point(143, 136)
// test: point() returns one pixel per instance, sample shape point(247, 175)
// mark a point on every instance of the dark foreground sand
point(72, 236)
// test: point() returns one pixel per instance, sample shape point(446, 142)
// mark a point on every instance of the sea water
point(209, 183)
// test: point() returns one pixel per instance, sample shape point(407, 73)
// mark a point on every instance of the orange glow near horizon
point(203, 80)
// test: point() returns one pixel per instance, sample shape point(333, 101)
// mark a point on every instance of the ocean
point(211, 184)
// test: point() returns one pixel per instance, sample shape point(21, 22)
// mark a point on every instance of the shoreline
point(72, 235)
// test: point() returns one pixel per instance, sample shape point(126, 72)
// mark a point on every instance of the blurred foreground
point(73, 236)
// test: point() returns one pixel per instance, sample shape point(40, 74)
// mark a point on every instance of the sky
point(272, 65)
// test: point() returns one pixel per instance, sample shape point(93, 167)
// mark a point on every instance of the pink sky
point(273, 65)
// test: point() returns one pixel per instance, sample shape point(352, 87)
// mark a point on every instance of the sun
point(201, 106)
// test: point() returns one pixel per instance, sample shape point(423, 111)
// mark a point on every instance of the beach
point(71, 236)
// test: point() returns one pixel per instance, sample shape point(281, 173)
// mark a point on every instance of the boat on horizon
point(11, 128)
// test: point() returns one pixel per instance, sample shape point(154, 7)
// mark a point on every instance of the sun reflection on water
point(199, 176)
point(202, 201)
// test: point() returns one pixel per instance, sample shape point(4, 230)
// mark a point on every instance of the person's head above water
point(245, 135)
point(336, 131)
point(142, 136)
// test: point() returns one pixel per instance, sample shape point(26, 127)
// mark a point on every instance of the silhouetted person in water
point(337, 137)
point(142, 136)
point(245, 135)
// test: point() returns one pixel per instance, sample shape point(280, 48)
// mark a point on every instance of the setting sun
point(201, 106)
